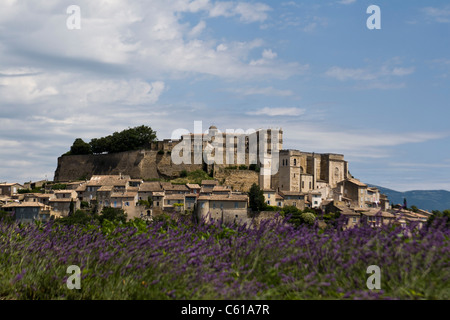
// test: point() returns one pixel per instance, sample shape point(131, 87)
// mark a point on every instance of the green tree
point(80, 147)
point(113, 214)
point(256, 198)
point(444, 215)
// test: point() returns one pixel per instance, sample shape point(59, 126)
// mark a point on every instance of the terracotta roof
point(81, 188)
point(279, 197)
point(153, 186)
point(108, 180)
point(9, 184)
point(158, 194)
point(374, 212)
point(220, 189)
point(210, 182)
point(193, 186)
point(63, 191)
point(105, 188)
point(24, 204)
point(357, 182)
point(177, 187)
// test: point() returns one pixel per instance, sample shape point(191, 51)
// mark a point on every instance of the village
point(303, 180)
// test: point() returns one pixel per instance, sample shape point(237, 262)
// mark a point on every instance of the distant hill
point(423, 199)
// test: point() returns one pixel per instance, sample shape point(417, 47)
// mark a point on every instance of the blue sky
point(313, 68)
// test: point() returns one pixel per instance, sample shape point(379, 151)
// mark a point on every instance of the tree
point(80, 147)
point(113, 214)
point(438, 215)
point(126, 140)
point(257, 201)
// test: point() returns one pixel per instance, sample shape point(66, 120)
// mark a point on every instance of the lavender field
point(171, 259)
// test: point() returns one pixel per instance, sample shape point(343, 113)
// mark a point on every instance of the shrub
point(308, 218)
point(243, 167)
point(161, 152)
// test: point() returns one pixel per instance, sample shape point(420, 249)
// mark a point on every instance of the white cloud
point(374, 78)
point(274, 112)
point(347, 1)
point(441, 15)
point(267, 91)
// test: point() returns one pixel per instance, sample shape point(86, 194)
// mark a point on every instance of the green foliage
point(308, 218)
point(6, 217)
point(59, 186)
point(414, 209)
point(144, 203)
point(272, 208)
point(256, 198)
point(196, 177)
point(254, 167)
point(126, 140)
point(112, 214)
point(243, 167)
point(34, 190)
point(183, 174)
point(81, 217)
point(80, 147)
point(445, 215)
point(178, 204)
point(161, 152)
point(84, 204)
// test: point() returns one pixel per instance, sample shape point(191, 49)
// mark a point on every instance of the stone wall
point(240, 180)
point(145, 164)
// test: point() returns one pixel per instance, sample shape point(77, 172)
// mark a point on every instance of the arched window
point(295, 162)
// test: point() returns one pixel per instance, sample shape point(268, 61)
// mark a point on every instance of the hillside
point(423, 199)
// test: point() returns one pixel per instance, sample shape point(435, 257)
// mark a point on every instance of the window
point(268, 195)
point(310, 184)
point(303, 184)
point(214, 205)
point(279, 204)
point(168, 201)
point(202, 205)
point(236, 205)
point(294, 204)
point(354, 219)
point(315, 202)
point(221, 206)
point(268, 202)
point(295, 162)
point(127, 204)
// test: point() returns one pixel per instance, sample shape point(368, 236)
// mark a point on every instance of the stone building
point(227, 208)
point(303, 171)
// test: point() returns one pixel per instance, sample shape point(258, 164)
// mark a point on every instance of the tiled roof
point(210, 182)
point(24, 204)
point(152, 186)
point(105, 188)
point(193, 186)
point(356, 182)
point(108, 180)
point(177, 187)
point(220, 189)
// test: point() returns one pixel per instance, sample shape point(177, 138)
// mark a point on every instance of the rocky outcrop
point(144, 164)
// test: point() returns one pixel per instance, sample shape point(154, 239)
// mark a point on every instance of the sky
point(313, 68)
